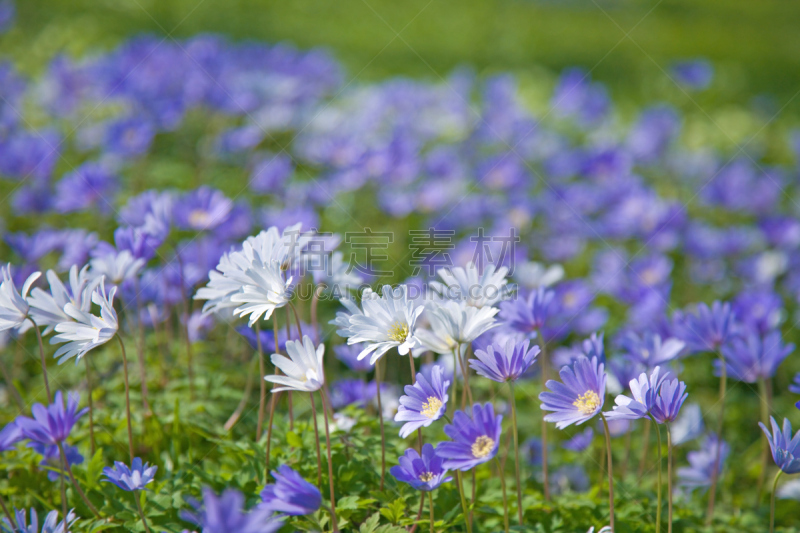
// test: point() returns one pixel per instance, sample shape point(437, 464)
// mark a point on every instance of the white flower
point(87, 331)
point(387, 321)
point(14, 307)
point(468, 285)
point(454, 323)
point(534, 275)
point(47, 308)
point(303, 367)
point(116, 267)
point(255, 279)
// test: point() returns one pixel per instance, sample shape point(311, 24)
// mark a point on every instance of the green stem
point(91, 404)
point(14, 523)
point(141, 511)
point(712, 493)
point(330, 463)
point(610, 473)
point(545, 472)
point(460, 483)
point(42, 359)
point(505, 496)
point(68, 469)
point(262, 372)
point(516, 450)
point(669, 479)
point(380, 419)
point(430, 504)
point(127, 396)
point(316, 438)
point(465, 374)
point(772, 502)
point(64, 493)
point(660, 482)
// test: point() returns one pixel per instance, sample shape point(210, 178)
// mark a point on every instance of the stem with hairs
point(78, 488)
point(516, 449)
point(660, 482)
point(127, 396)
point(669, 479)
point(505, 496)
point(772, 502)
point(610, 473)
point(330, 462)
point(545, 471)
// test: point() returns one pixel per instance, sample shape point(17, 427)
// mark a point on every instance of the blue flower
point(10, 436)
point(785, 448)
point(644, 391)
point(581, 395)
point(795, 387)
point(475, 440)
point(708, 329)
point(50, 524)
point(526, 315)
point(52, 457)
point(291, 494)
point(701, 464)
point(135, 478)
point(580, 441)
point(424, 472)
point(90, 185)
point(668, 401)
point(424, 402)
point(225, 514)
point(695, 73)
point(754, 357)
point(504, 363)
point(52, 424)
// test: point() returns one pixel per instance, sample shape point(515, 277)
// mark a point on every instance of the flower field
point(246, 291)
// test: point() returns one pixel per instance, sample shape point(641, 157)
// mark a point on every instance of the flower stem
point(516, 450)
point(185, 304)
point(645, 448)
point(660, 482)
point(764, 403)
point(772, 502)
point(14, 523)
point(262, 372)
point(380, 419)
point(127, 396)
point(78, 488)
point(13, 388)
point(297, 321)
point(141, 511)
point(413, 382)
point(314, 305)
point(91, 404)
point(330, 462)
point(455, 379)
point(669, 479)
point(460, 483)
point(505, 497)
point(316, 438)
point(723, 383)
point(610, 473)
point(140, 346)
point(64, 492)
point(42, 359)
point(430, 504)
point(545, 472)
point(465, 374)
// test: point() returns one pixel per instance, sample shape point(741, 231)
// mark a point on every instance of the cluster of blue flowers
point(592, 194)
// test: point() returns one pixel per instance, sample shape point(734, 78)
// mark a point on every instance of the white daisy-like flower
point(14, 308)
point(533, 275)
point(477, 289)
point(47, 308)
point(86, 331)
point(303, 368)
point(115, 267)
point(454, 323)
point(386, 321)
point(255, 280)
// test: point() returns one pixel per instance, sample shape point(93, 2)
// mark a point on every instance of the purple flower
point(202, 209)
point(701, 464)
point(224, 514)
point(10, 436)
point(644, 391)
point(424, 403)
point(348, 354)
point(760, 310)
point(52, 424)
point(475, 440)
point(580, 441)
point(267, 338)
point(785, 448)
point(526, 315)
point(649, 350)
point(129, 137)
point(504, 363)
point(8, 13)
point(425, 473)
point(695, 74)
point(752, 357)
point(129, 479)
point(270, 173)
point(795, 387)
point(708, 329)
point(579, 396)
point(90, 185)
point(291, 494)
point(668, 401)
point(353, 391)
point(50, 524)
point(52, 457)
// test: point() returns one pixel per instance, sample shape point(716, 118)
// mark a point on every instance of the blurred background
point(627, 44)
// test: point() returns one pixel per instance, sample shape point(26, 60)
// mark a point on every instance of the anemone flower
point(424, 472)
point(504, 363)
point(84, 331)
point(786, 454)
point(52, 425)
point(475, 287)
point(225, 513)
point(132, 479)
point(47, 308)
point(14, 306)
point(667, 405)
point(424, 403)
point(50, 524)
point(303, 368)
point(291, 494)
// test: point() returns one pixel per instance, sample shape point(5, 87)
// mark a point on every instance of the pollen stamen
point(588, 402)
point(482, 446)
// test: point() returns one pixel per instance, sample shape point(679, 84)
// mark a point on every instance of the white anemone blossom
point(14, 308)
point(86, 331)
point(469, 285)
point(303, 368)
point(454, 323)
point(115, 266)
point(533, 275)
point(47, 308)
point(255, 280)
point(386, 321)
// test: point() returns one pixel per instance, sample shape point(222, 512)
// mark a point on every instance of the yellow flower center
point(199, 218)
point(588, 402)
point(431, 407)
point(398, 332)
point(426, 476)
point(482, 446)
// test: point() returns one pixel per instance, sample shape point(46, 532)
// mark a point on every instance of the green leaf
point(93, 470)
point(371, 523)
point(294, 440)
point(395, 511)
